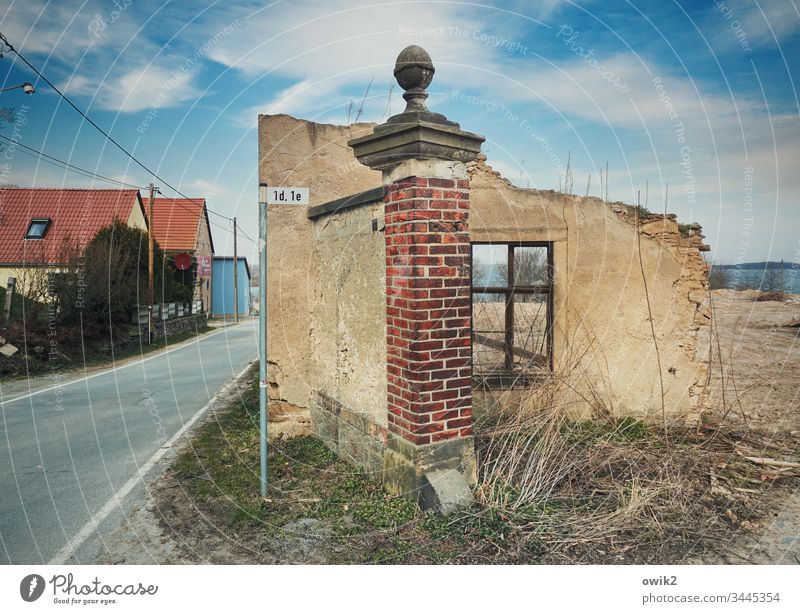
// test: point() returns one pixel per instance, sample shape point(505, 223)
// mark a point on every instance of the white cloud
point(765, 22)
point(105, 51)
point(207, 189)
point(142, 88)
point(135, 89)
point(315, 41)
point(326, 53)
point(327, 49)
point(54, 29)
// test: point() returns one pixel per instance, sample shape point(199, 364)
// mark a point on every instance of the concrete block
point(445, 491)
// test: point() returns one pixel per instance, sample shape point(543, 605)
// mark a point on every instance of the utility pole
point(151, 325)
point(235, 276)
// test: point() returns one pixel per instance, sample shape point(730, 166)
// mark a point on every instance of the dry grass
point(606, 491)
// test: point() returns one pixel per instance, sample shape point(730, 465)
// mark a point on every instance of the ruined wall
point(297, 153)
point(348, 334)
point(603, 343)
point(602, 340)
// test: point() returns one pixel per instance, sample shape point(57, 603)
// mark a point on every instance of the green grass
point(307, 480)
point(622, 430)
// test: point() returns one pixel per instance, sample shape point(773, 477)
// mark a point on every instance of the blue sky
point(702, 96)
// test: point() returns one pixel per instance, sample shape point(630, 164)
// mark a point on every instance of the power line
point(35, 153)
point(88, 175)
point(116, 143)
point(77, 169)
point(98, 128)
point(66, 165)
point(247, 236)
point(231, 231)
point(219, 214)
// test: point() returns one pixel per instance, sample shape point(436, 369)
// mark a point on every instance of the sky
point(698, 96)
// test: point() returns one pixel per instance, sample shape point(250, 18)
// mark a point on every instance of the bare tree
point(719, 278)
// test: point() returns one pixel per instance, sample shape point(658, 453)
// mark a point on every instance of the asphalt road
point(74, 458)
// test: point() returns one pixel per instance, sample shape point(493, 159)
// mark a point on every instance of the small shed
point(222, 301)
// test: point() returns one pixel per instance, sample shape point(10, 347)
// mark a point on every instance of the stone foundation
point(406, 464)
point(352, 435)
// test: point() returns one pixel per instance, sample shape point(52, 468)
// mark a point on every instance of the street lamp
point(25, 87)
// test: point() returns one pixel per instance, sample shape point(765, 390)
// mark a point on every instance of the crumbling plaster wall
point(602, 338)
point(603, 343)
point(348, 309)
point(298, 153)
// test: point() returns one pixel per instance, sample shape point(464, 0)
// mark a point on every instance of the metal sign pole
point(262, 331)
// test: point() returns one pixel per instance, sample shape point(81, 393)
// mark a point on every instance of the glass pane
point(488, 333)
point(530, 333)
point(490, 265)
point(36, 230)
point(530, 266)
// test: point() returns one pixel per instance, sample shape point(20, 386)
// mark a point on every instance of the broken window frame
point(509, 379)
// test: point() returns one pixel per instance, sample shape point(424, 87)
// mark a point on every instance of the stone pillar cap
point(414, 73)
point(416, 133)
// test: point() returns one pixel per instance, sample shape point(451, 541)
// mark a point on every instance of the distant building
point(222, 301)
point(36, 224)
point(180, 225)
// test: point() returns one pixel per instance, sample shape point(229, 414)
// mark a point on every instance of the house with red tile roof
point(180, 225)
point(35, 223)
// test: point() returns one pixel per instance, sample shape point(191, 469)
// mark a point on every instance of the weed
point(632, 429)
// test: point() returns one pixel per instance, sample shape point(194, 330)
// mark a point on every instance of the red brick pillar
point(429, 453)
point(428, 309)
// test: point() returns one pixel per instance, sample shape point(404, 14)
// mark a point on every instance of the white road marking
point(63, 555)
point(112, 370)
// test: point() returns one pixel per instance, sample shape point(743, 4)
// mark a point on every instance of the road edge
point(141, 476)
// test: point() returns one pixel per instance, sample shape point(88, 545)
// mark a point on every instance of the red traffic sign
point(183, 261)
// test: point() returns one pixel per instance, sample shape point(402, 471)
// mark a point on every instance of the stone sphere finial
point(414, 73)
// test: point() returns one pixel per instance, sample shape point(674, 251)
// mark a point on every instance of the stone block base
point(354, 436)
point(407, 467)
point(437, 476)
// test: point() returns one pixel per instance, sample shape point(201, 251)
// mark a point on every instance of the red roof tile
point(75, 215)
point(176, 222)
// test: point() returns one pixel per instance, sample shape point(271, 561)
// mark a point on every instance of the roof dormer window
point(37, 228)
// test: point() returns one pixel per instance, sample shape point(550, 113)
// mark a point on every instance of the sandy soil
point(759, 375)
point(757, 382)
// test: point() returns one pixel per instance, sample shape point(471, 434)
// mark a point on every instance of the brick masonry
point(428, 309)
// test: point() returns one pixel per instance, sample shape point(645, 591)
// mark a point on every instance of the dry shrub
point(526, 454)
point(601, 490)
